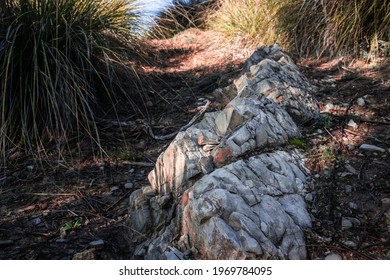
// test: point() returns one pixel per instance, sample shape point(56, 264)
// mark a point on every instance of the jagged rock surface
point(249, 209)
point(210, 197)
point(271, 72)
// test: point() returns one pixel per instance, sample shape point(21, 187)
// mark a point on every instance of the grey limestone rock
point(258, 223)
point(215, 191)
point(272, 73)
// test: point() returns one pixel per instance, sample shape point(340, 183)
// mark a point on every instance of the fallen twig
point(139, 163)
point(51, 194)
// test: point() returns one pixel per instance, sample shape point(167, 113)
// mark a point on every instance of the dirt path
point(78, 208)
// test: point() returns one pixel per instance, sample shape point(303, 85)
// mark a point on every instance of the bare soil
point(54, 209)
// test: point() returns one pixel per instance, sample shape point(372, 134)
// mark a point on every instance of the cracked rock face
point(271, 72)
point(249, 209)
point(214, 193)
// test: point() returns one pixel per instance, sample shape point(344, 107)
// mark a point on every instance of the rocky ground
point(76, 207)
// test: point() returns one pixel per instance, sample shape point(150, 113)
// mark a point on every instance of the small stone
point(351, 147)
point(353, 205)
point(114, 189)
point(131, 170)
point(333, 256)
point(345, 223)
point(343, 174)
point(355, 222)
point(37, 221)
point(360, 101)
point(348, 189)
point(351, 169)
point(30, 167)
point(129, 186)
point(350, 244)
point(309, 197)
point(142, 172)
point(352, 124)
point(149, 103)
point(371, 148)
point(101, 168)
point(97, 243)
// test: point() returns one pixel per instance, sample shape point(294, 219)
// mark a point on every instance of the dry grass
point(318, 27)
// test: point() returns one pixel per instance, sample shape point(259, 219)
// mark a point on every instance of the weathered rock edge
point(209, 198)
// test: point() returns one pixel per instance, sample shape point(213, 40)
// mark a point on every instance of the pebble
point(351, 169)
point(309, 197)
point(149, 103)
point(371, 148)
point(348, 189)
point(344, 174)
point(356, 222)
point(360, 101)
point(333, 256)
point(345, 223)
point(350, 244)
point(352, 124)
point(37, 221)
point(30, 167)
point(353, 205)
point(129, 185)
point(131, 170)
point(114, 189)
point(97, 243)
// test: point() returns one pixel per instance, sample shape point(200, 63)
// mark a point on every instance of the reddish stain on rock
point(222, 154)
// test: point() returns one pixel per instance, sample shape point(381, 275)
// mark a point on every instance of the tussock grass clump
point(317, 27)
point(332, 28)
point(181, 15)
point(251, 21)
point(60, 65)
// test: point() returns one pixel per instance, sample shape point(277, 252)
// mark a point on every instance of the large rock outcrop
point(215, 192)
